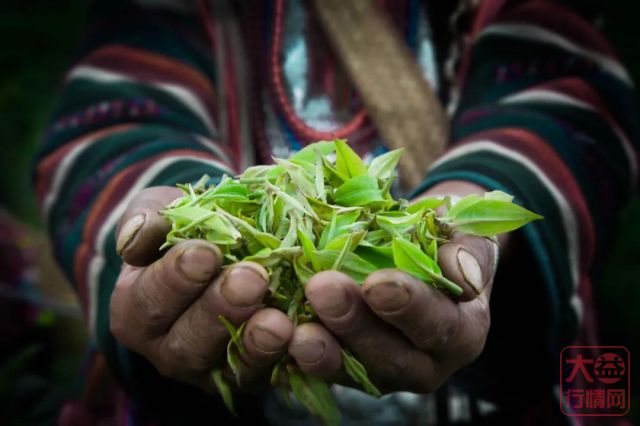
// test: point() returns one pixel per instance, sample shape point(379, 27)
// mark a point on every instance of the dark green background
point(37, 42)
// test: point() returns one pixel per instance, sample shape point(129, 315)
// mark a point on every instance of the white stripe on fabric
point(567, 214)
point(543, 95)
point(98, 262)
point(542, 35)
point(572, 420)
point(458, 406)
point(548, 96)
point(213, 147)
point(486, 407)
point(238, 56)
point(63, 168)
point(180, 93)
point(577, 305)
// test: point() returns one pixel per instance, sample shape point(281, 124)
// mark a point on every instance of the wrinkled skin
point(408, 335)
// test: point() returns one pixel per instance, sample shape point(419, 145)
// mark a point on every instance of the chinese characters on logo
point(594, 380)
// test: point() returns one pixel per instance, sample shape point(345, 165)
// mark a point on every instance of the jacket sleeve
point(547, 113)
point(137, 109)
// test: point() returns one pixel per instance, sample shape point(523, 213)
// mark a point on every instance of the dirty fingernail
point(390, 296)
point(198, 264)
point(129, 231)
point(243, 287)
point(470, 270)
point(308, 352)
point(335, 301)
point(265, 340)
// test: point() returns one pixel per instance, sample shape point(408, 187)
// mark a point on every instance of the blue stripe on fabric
point(412, 25)
point(290, 138)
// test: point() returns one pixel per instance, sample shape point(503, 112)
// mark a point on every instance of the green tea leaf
point(383, 166)
point(252, 172)
point(358, 373)
point(189, 217)
point(315, 395)
point(274, 174)
point(294, 304)
point(350, 240)
point(323, 209)
point(377, 237)
point(219, 239)
point(358, 191)
point(229, 190)
point(292, 202)
point(319, 177)
point(307, 154)
point(233, 359)
point(308, 247)
point(398, 223)
point(299, 178)
point(184, 215)
point(489, 217)
point(268, 257)
point(346, 248)
point(352, 264)
point(499, 196)
point(380, 257)
point(432, 250)
point(275, 374)
point(462, 204)
point(347, 161)
point(263, 238)
point(266, 215)
point(333, 175)
point(329, 232)
point(234, 333)
point(303, 273)
point(431, 203)
point(202, 182)
point(290, 239)
point(224, 390)
point(409, 258)
point(339, 222)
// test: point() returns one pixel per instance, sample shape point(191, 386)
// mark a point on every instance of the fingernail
point(198, 264)
point(335, 302)
point(470, 270)
point(129, 231)
point(390, 296)
point(308, 352)
point(243, 287)
point(265, 340)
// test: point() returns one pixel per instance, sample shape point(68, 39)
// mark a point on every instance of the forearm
point(136, 110)
point(545, 115)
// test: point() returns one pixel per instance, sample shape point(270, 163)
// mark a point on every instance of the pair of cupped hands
point(408, 335)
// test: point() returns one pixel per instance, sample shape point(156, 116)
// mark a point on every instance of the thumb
point(470, 262)
point(141, 230)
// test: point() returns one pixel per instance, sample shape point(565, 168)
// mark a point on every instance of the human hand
point(408, 335)
point(166, 306)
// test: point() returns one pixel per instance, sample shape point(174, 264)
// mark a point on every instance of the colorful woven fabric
point(166, 91)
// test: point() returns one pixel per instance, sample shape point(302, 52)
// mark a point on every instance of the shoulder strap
point(399, 100)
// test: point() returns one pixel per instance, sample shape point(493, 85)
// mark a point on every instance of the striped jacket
point(165, 91)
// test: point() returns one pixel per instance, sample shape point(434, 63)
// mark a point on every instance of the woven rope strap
point(399, 100)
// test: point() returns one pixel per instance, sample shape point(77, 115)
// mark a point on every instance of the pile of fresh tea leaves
point(309, 214)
